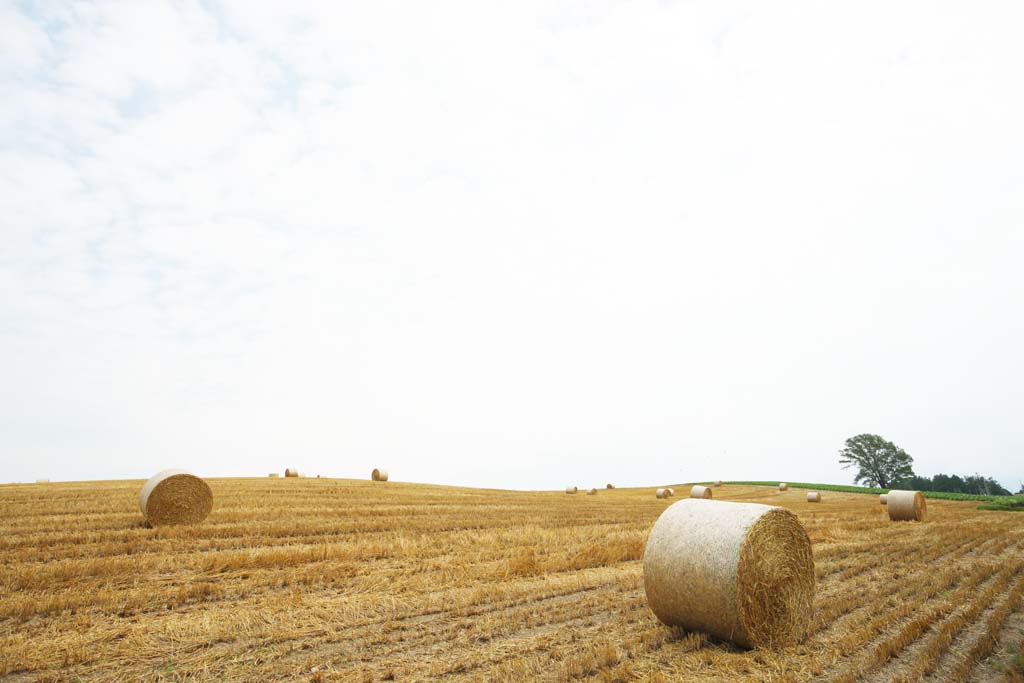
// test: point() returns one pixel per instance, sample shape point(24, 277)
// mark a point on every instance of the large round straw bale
point(906, 506)
point(592, 492)
point(661, 493)
point(571, 489)
point(379, 475)
point(175, 497)
point(700, 492)
point(609, 486)
point(883, 499)
point(813, 497)
point(783, 486)
point(740, 571)
point(291, 473)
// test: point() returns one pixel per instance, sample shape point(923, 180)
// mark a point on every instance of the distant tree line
point(882, 464)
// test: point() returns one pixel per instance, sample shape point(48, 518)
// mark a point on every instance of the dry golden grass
point(340, 580)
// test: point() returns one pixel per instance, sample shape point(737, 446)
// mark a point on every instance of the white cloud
point(627, 237)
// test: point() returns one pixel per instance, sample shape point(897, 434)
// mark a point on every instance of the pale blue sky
point(517, 244)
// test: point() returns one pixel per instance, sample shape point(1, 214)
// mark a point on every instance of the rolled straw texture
point(571, 489)
point(592, 492)
point(175, 497)
point(783, 487)
point(883, 499)
point(291, 473)
point(906, 506)
point(700, 492)
point(379, 475)
point(740, 571)
point(813, 497)
point(670, 492)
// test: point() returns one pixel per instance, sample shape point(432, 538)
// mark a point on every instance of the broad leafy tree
point(879, 463)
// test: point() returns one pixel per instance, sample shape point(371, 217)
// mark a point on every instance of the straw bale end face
point(379, 475)
point(742, 572)
point(592, 492)
point(661, 493)
point(571, 489)
point(700, 492)
point(609, 486)
point(291, 473)
point(906, 506)
point(175, 497)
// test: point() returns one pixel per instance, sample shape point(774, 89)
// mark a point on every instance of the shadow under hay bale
point(742, 572)
point(175, 497)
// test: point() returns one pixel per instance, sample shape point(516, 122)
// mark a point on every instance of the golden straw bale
point(718, 483)
point(740, 571)
point(291, 473)
point(592, 492)
point(906, 506)
point(571, 489)
point(379, 475)
point(175, 497)
point(813, 497)
point(783, 487)
point(883, 499)
point(700, 492)
point(609, 486)
point(661, 493)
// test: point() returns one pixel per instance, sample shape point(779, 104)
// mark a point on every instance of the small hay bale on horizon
point(783, 486)
point(906, 506)
point(740, 571)
point(609, 486)
point(290, 472)
point(42, 481)
point(379, 475)
point(699, 491)
point(571, 489)
point(718, 483)
point(175, 497)
point(592, 492)
point(272, 475)
point(813, 497)
point(663, 493)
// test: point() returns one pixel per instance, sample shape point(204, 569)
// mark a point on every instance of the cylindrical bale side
point(783, 487)
point(571, 489)
point(670, 492)
point(700, 492)
point(813, 497)
point(592, 492)
point(906, 506)
point(291, 472)
point(718, 483)
point(661, 493)
point(175, 497)
point(609, 486)
point(379, 475)
point(883, 499)
point(740, 571)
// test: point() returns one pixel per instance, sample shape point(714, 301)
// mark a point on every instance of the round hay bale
point(783, 486)
point(813, 497)
point(718, 483)
point(291, 473)
point(272, 475)
point(700, 492)
point(882, 498)
point(740, 571)
point(661, 493)
point(592, 492)
point(609, 486)
point(42, 481)
point(379, 475)
point(175, 497)
point(906, 506)
point(571, 489)
point(670, 492)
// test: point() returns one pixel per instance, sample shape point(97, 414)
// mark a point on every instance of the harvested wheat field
point(340, 580)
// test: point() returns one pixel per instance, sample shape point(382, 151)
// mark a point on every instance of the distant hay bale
point(592, 492)
point(42, 481)
point(906, 506)
point(661, 493)
point(670, 492)
point(740, 571)
point(718, 483)
point(272, 475)
point(700, 492)
point(175, 497)
point(882, 498)
point(379, 475)
point(571, 489)
point(813, 497)
point(291, 473)
point(609, 486)
point(783, 487)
